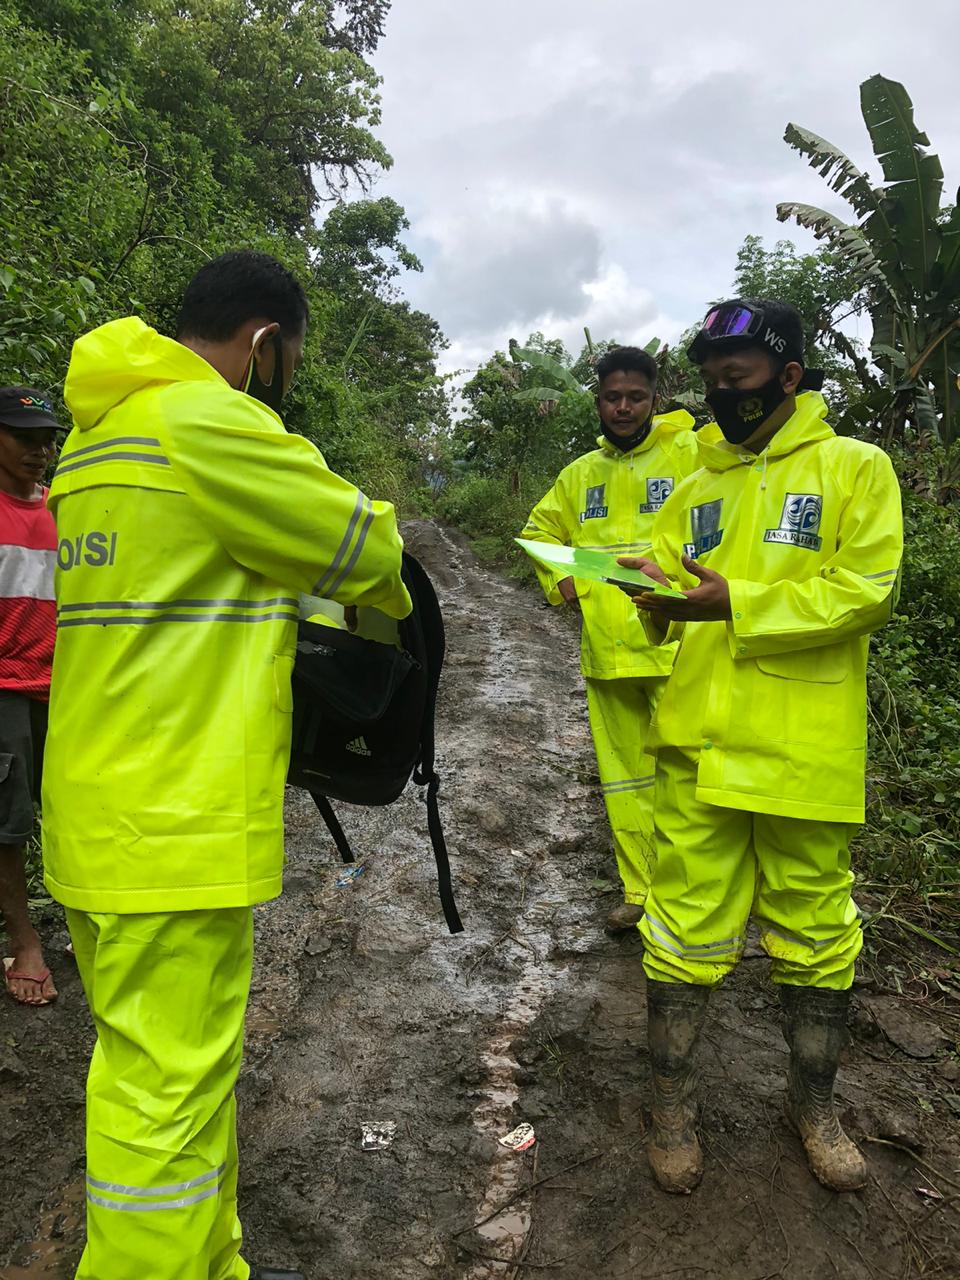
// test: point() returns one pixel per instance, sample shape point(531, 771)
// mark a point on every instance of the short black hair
point(236, 287)
point(627, 360)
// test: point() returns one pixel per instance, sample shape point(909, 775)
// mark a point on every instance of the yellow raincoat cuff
point(738, 627)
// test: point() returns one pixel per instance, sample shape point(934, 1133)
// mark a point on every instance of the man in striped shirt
point(28, 547)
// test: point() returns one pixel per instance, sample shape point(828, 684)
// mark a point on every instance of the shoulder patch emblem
point(799, 522)
point(705, 531)
point(659, 489)
point(594, 507)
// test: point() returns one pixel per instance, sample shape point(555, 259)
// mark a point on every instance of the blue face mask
point(270, 393)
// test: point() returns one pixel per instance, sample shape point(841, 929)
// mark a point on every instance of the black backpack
point(363, 716)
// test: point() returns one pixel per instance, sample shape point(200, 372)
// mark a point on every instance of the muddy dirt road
point(364, 1009)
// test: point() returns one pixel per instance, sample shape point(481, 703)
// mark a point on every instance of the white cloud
point(566, 163)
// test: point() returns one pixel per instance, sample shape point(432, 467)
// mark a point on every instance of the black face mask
point(626, 443)
point(739, 413)
point(255, 386)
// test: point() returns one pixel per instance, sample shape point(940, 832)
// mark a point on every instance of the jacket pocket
point(283, 682)
point(827, 665)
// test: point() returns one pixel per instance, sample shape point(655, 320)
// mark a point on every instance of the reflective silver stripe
point(107, 621)
point(629, 784)
point(887, 573)
point(662, 941)
point(786, 936)
point(619, 546)
point(343, 547)
point(126, 1206)
point(26, 572)
point(180, 604)
point(121, 456)
point(110, 444)
point(703, 951)
point(728, 943)
point(661, 925)
point(169, 1190)
point(355, 554)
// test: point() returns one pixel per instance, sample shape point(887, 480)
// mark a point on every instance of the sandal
point(11, 974)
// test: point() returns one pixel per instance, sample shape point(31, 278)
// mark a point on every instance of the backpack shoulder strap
point(444, 883)
point(333, 826)
point(425, 774)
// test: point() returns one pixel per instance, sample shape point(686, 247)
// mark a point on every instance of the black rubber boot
point(675, 1013)
point(815, 1028)
point(271, 1273)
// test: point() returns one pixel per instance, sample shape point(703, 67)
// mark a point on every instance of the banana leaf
point(842, 238)
point(551, 370)
point(538, 395)
point(946, 272)
point(914, 178)
point(867, 412)
point(870, 204)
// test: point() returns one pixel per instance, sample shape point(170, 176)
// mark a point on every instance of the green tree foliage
point(904, 248)
point(913, 831)
point(826, 290)
point(143, 136)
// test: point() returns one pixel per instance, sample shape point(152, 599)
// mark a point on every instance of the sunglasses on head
point(732, 320)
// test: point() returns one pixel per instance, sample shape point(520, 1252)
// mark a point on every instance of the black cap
point(26, 407)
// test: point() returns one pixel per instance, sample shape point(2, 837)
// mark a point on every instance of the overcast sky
point(598, 162)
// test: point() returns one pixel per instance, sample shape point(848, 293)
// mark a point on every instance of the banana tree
point(906, 248)
point(549, 383)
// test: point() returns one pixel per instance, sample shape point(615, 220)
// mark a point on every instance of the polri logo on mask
point(799, 522)
point(594, 508)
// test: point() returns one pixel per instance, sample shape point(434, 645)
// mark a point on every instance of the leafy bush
point(913, 825)
point(492, 513)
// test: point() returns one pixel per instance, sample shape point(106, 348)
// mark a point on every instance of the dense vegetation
point(142, 136)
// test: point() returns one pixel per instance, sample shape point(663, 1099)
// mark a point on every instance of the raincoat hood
point(806, 425)
point(663, 426)
point(110, 363)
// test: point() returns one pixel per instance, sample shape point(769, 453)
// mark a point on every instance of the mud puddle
point(364, 1009)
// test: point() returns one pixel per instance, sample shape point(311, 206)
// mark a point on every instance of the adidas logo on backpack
point(363, 718)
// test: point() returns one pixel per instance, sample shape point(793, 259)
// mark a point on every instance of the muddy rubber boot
point(624, 917)
point(271, 1273)
point(815, 1028)
point(674, 1016)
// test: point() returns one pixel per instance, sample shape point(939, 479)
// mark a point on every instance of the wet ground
point(365, 1010)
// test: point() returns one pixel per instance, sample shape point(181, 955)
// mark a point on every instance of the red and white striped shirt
point(28, 613)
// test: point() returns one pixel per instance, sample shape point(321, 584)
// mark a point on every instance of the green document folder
point(598, 566)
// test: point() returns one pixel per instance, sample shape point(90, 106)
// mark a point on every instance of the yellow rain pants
point(716, 866)
point(620, 712)
point(168, 995)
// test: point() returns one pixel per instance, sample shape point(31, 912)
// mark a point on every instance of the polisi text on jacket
point(94, 549)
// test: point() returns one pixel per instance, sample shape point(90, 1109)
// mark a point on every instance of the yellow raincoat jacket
point(189, 521)
point(609, 500)
point(809, 536)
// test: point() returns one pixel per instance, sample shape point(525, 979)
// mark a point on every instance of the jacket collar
point(806, 425)
point(662, 426)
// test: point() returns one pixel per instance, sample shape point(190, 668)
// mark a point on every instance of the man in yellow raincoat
point(787, 544)
point(188, 521)
point(609, 499)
